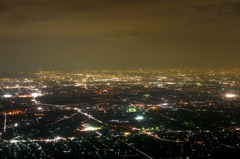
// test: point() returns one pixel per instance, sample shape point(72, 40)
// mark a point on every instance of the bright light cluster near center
point(230, 95)
point(139, 117)
point(89, 128)
point(7, 96)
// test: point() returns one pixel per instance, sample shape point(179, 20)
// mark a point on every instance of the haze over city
point(126, 34)
point(122, 79)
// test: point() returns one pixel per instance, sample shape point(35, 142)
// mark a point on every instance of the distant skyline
point(126, 34)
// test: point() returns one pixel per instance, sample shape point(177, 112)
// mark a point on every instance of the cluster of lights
point(139, 118)
point(39, 108)
point(230, 95)
point(34, 95)
point(89, 128)
point(7, 96)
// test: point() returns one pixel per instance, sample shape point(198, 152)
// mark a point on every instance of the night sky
point(119, 34)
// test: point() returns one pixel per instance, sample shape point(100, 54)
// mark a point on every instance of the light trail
point(89, 116)
point(156, 137)
point(185, 109)
point(5, 123)
point(137, 150)
point(66, 117)
point(228, 146)
point(52, 105)
point(84, 121)
point(172, 119)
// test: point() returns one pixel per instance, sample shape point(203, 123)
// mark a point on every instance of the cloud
point(213, 12)
point(205, 21)
point(81, 31)
point(236, 8)
point(205, 7)
point(224, 7)
point(123, 36)
point(4, 8)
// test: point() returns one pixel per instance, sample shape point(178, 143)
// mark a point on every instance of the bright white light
point(78, 84)
point(39, 108)
point(90, 128)
point(58, 138)
point(230, 95)
point(139, 118)
point(16, 125)
point(13, 141)
point(34, 95)
point(7, 96)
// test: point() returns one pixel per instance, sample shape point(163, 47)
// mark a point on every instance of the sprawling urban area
point(171, 113)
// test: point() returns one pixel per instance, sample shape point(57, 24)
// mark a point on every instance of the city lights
point(90, 128)
point(34, 95)
point(230, 95)
point(7, 96)
point(120, 114)
point(139, 118)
